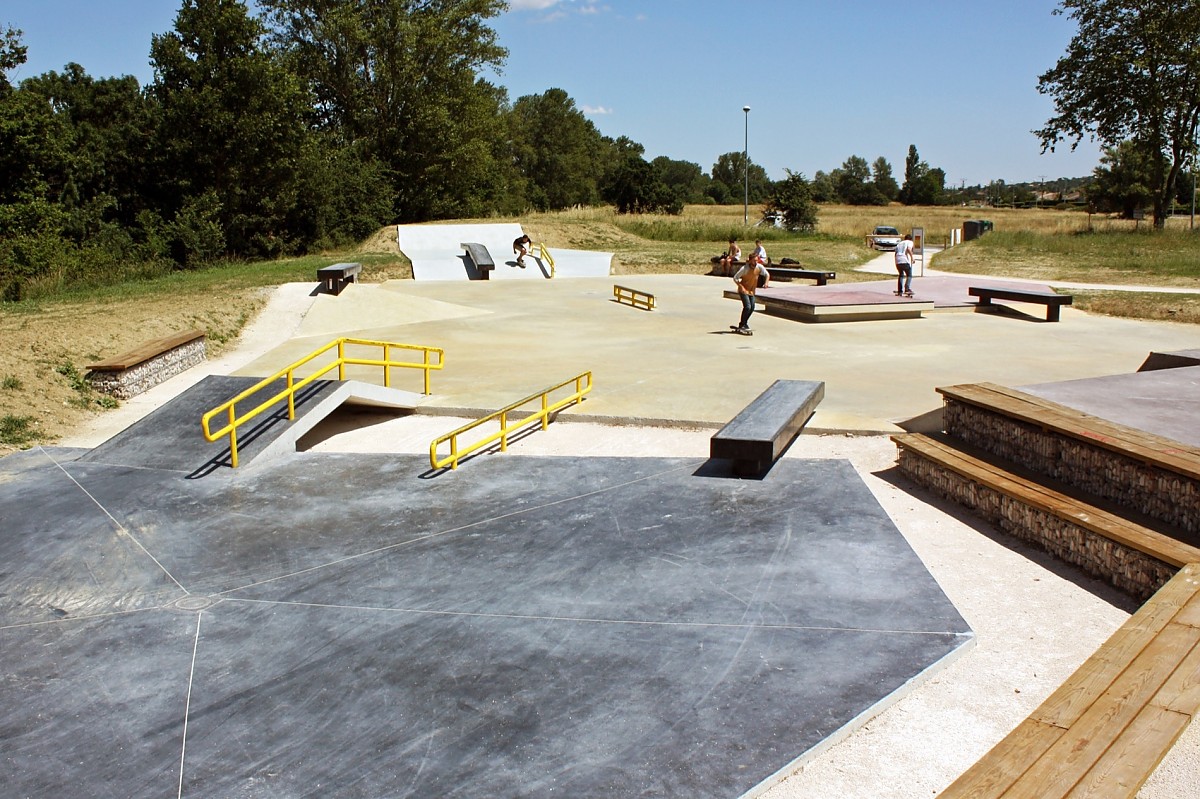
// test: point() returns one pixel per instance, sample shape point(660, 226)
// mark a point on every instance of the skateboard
point(744, 331)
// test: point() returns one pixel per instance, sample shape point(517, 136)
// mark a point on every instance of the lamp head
point(746, 108)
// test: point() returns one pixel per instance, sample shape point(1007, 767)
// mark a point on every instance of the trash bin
point(972, 229)
point(985, 226)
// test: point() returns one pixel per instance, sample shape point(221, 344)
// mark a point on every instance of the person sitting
point(731, 258)
point(761, 252)
point(521, 248)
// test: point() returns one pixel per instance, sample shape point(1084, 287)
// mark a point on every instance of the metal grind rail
point(582, 384)
point(547, 257)
point(234, 420)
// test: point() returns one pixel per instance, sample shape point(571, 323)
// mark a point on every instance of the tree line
point(311, 124)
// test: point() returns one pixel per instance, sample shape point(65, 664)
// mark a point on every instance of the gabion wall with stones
point(148, 374)
point(1152, 490)
point(1128, 569)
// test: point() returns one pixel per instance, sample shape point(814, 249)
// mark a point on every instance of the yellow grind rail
point(583, 384)
point(547, 257)
point(635, 297)
point(230, 408)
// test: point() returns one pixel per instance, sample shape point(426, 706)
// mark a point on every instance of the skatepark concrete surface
point(300, 633)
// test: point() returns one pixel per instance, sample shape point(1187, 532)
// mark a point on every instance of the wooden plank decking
point(1104, 731)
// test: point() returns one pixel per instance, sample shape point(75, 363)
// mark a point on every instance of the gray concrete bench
point(759, 434)
point(1052, 301)
point(784, 272)
point(335, 277)
point(480, 258)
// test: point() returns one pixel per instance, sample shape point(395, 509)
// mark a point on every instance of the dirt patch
point(46, 352)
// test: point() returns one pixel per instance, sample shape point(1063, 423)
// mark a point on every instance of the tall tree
point(232, 130)
point(400, 76)
point(12, 54)
point(853, 185)
point(881, 176)
point(792, 197)
point(557, 149)
point(730, 170)
point(913, 169)
point(1132, 71)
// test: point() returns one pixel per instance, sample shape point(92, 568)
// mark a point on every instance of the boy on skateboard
point(746, 280)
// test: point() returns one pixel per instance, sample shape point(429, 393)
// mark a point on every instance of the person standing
point(747, 283)
point(904, 266)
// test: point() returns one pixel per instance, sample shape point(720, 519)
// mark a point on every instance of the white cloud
point(595, 110)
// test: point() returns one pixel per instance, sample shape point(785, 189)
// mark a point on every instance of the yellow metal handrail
point(583, 384)
point(289, 371)
point(547, 257)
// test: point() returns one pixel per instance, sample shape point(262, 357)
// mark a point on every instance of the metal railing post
point(233, 460)
point(341, 359)
point(291, 395)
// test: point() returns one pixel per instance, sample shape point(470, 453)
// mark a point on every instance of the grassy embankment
point(49, 339)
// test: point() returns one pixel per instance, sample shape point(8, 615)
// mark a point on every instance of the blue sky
point(825, 79)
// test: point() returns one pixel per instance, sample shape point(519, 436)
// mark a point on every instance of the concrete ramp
point(436, 254)
point(170, 438)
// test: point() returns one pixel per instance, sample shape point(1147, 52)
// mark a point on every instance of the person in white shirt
point(904, 265)
point(760, 251)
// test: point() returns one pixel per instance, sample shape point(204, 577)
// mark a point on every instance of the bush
point(793, 200)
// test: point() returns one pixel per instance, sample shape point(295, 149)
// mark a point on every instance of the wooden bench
point(634, 297)
point(480, 257)
point(787, 273)
point(1052, 301)
point(336, 276)
point(1050, 515)
point(1105, 458)
point(133, 372)
point(1103, 732)
point(759, 434)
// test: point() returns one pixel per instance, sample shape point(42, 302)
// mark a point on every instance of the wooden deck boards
point(1104, 731)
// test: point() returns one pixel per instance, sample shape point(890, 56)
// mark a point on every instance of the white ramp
point(436, 254)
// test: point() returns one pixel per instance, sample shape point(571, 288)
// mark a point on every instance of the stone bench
point(786, 273)
point(480, 257)
point(336, 277)
point(1103, 732)
point(1052, 301)
point(149, 364)
point(759, 434)
point(634, 297)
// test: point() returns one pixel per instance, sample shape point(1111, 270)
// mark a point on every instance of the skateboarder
point(746, 280)
point(904, 264)
point(521, 248)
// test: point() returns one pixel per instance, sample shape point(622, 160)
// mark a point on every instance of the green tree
point(730, 170)
point(12, 54)
point(111, 125)
point(232, 128)
point(1132, 71)
point(556, 149)
point(685, 178)
point(822, 188)
point(792, 197)
point(637, 188)
point(400, 76)
point(881, 176)
point(923, 185)
point(1122, 182)
point(853, 185)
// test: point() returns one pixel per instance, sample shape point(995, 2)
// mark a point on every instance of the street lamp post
point(746, 170)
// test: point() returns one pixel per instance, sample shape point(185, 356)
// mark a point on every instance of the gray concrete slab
point(679, 364)
point(353, 625)
point(1165, 402)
